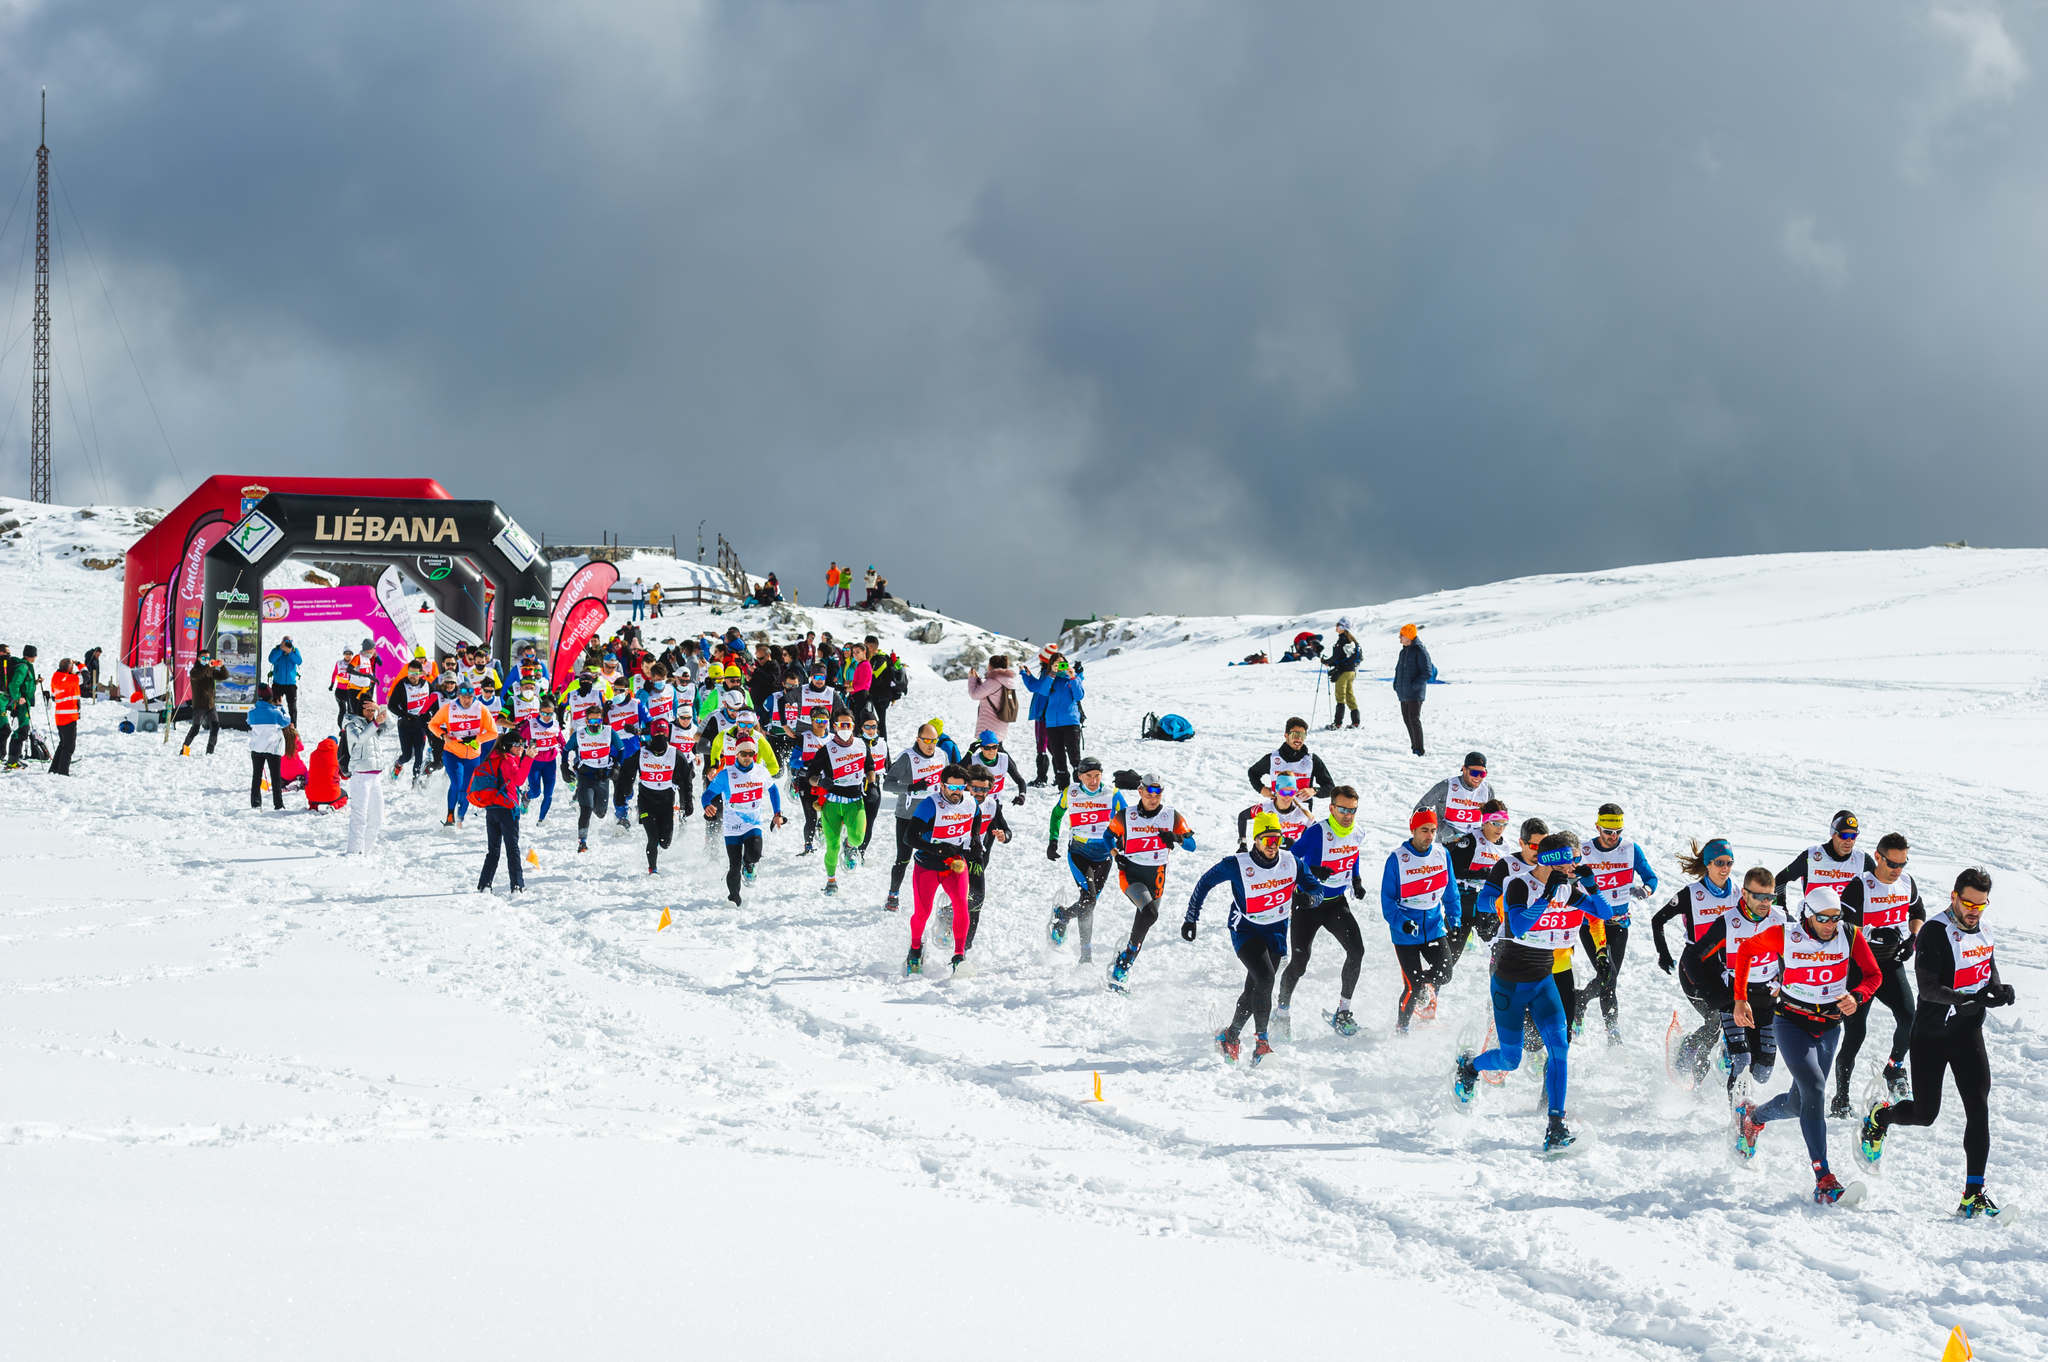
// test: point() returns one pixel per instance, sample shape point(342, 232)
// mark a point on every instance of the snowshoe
point(1465, 1079)
point(748, 874)
point(1087, 956)
point(1828, 1190)
point(1870, 1144)
point(449, 821)
point(1558, 1137)
point(1838, 1107)
point(1056, 928)
point(1119, 972)
point(1614, 1034)
point(1895, 1082)
point(1976, 1205)
point(1261, 1047)
point(582, 845)
point(622, 824)
point(890, 906)
point(1342, 1022)
point(831, 886)
point(1747, 1128)
point(809, 847)
point(1227, 1043)
point(961, 969)
point(913, 963)
point(1425, 1009)
point(1282, 1024)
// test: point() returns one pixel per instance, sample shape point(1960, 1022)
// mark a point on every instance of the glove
point(1667, 964)
point(1486, 924)
point(1410, 928)
point(1241, 846)
point(1019, 799)
point(1603, 966)
point(1998, 996)
point(1358, 891)
point(1052, 851)
point(1639, 890)
point(1187, 843)
point(1187, 930)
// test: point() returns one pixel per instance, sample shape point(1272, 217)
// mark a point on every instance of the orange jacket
point(438, 726)
point(64, 695)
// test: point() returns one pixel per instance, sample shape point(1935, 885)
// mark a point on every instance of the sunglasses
point(1975, 907)
point(1848, 836)
point(1155, 789)
point(956, 789)
point(1476, 772)
point(1827, 917)
point(1759, 895)
point(1347, 810)
point(1728, 861)
point(1265, 837)
point(1895, 865)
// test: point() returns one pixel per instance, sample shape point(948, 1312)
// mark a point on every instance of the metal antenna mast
point(39, 411)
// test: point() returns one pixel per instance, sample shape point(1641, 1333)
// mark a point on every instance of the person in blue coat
point(1059, 685)
point(1412, 672)
point(284, 675)
point(1420, 901)
point(1262, 886)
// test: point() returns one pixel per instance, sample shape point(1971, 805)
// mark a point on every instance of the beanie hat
point(1422, 818)
point(1844, 824)
point(1407, 631)
point(1820, 899)
point(1475, 759)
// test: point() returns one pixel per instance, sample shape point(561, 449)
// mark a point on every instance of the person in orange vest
point(832, 583)
point(63, 693)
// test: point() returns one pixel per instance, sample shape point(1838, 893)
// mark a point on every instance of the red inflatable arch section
point(166, 571)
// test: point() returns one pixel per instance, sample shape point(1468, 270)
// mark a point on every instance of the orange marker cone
point(665, 920)
point(532, 856)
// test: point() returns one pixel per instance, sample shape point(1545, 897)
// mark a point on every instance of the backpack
point(1006, 704)
point(1167, 728)
point(487, 786)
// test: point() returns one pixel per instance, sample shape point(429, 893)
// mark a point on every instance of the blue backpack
point(1167, 728)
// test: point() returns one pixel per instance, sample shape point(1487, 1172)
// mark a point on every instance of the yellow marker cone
point(266, 784)
point(666, 920)
point(1098, 1092)
point(532, 856)
point(1958, 1349)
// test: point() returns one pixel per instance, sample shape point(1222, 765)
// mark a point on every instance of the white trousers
point(365, 810)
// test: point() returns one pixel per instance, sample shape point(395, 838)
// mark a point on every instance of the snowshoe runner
point(1326, 856)
point(1144, 834)
point(1261, 883)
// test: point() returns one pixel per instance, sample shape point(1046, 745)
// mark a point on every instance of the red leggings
point(924, 888)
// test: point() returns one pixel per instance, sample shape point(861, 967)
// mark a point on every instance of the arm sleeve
point(1059, 812)
point(1320, 774)
point(1916, 911)
point(1390, 892)
point(1675, 908)
point(1461, 851)
point(1434, 797)
point(1934, 969)
point(896, 775)
point(1852, 902)
point(1643, 870)
point(775, 798)
point(1795, 871)
point(1259, 770)
point(1035, 684)
point(999, 823)
point(1517, 913)
point(1222, 873)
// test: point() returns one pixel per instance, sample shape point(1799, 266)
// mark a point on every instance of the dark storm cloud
point(1124, 307)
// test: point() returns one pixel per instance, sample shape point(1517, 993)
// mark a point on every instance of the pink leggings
point(924, 888)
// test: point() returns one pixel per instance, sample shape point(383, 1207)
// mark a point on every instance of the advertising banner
point(585, 619)
point(188, 602)
point(592, 581)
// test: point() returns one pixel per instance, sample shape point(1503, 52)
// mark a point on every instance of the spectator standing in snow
point(995, 696)
point(873, 582)
point(63, 697)
point(89, 674)
point(1344, 657)
point(1412, 669)
point(206, 673)
point(267, 724)
point(369, 744)
point(1061, 688)
point(832, 583)
point(17, 700)
point(284, 674)
point(654, 595)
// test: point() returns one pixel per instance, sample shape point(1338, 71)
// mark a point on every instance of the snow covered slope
point(259, 1100)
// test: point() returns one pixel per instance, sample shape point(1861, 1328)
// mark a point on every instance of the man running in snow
point(1957, 971)
point(1832, 863)
point(1884, 904)
point(990, 828)
point(1086, 808)
point(1292, 758)
point(655, 799)
point(1701, 904)
point(1326, 858)
point(1826, 974)
point(913, 775)
point(1143, 835)
point(942, 828)
point(1459, 799)
point(590, 751)
point(837, 774)
point(1707, 963)
point(1621, 875)
point(751, 805)
point(1262, 884)
point(1420, 902)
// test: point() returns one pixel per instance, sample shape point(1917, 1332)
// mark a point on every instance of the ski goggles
point(1273, 835)
point(1153, 789)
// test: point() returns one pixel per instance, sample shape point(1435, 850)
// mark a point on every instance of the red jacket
point(64, 697)
point(510, 773)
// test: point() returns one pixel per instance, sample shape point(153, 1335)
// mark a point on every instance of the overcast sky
point(1048, 308)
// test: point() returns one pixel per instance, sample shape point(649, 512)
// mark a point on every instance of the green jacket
point(20, 692)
